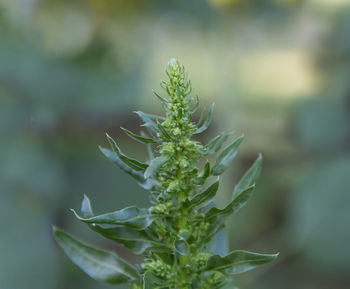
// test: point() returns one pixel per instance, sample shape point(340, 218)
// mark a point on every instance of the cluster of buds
point(164, 209)
point(158, 268)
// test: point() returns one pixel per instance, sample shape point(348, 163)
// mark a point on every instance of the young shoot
point(180, 235)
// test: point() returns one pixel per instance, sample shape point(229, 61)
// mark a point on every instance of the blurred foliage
point(71, 70)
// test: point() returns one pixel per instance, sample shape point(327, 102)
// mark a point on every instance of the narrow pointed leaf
point(233, 207)
point(155, 165)
point(162, 100)
point(250, 177)
point(205, 196)
point(150, 116)
point(201, 118)
point(225, 158)
point(206, 170)
point(86, 208)
point(238, 262)
point(162, 131)
point(196, 105)
point(148, 121)
point(216, 143)
point(204, 174)
point(138, 176)
point(213, 141)
point(206, 124)
point(132, 163)
point(135, 240)
point(141, 139)
point(112, 156)
point(150, 152)
point(214, 228)
point(131, 216)
point(101, 265)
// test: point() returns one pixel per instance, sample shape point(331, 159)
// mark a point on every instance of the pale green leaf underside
point(234, 206)
point(225, 158)
point(239, 261)
point(101, 265)
point(138, 176)
point(86, 208)
point(216, 143)
point(205, 196)
point(250, 177)
point(141, 139)
point(137, 241)
point(206, 123)
point(131, 162)
point(130, 216)
point(155, 165)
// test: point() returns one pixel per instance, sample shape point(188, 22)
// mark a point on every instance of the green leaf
point(216, 226)
point(132, 163)
point(213, 141)
point(113, 157)
point(148, 121)
point(224, 159)
point(216, 143)
point(201, 117)
point(205, 196)
point(131, 216)
point(155, 165)
point(219, 243)
point(162, 100)
point(150, 281)
point(181, 247)
point(206, 171)
point(141, 139)
point(162, 131)
point(86, 208)
point(185, 235)
point(250, 177)
point(205, 125)
point(137, 241)
point(101, 265)
point(196, 105)
point(238, 262)
point(150, 152)
point(204, 174)
point(233, 207)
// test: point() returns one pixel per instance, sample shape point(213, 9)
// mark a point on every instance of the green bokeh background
point(278, 71)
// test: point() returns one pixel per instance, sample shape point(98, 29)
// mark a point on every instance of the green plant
point(175, 235)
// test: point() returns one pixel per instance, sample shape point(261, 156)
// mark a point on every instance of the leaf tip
point(146, 175)
point(54, 228)
point(74, 212)
point(56, 232)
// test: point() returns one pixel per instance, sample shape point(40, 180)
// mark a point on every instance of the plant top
point(178, 236)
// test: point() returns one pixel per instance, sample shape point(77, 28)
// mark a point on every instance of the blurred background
point(278, 71)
